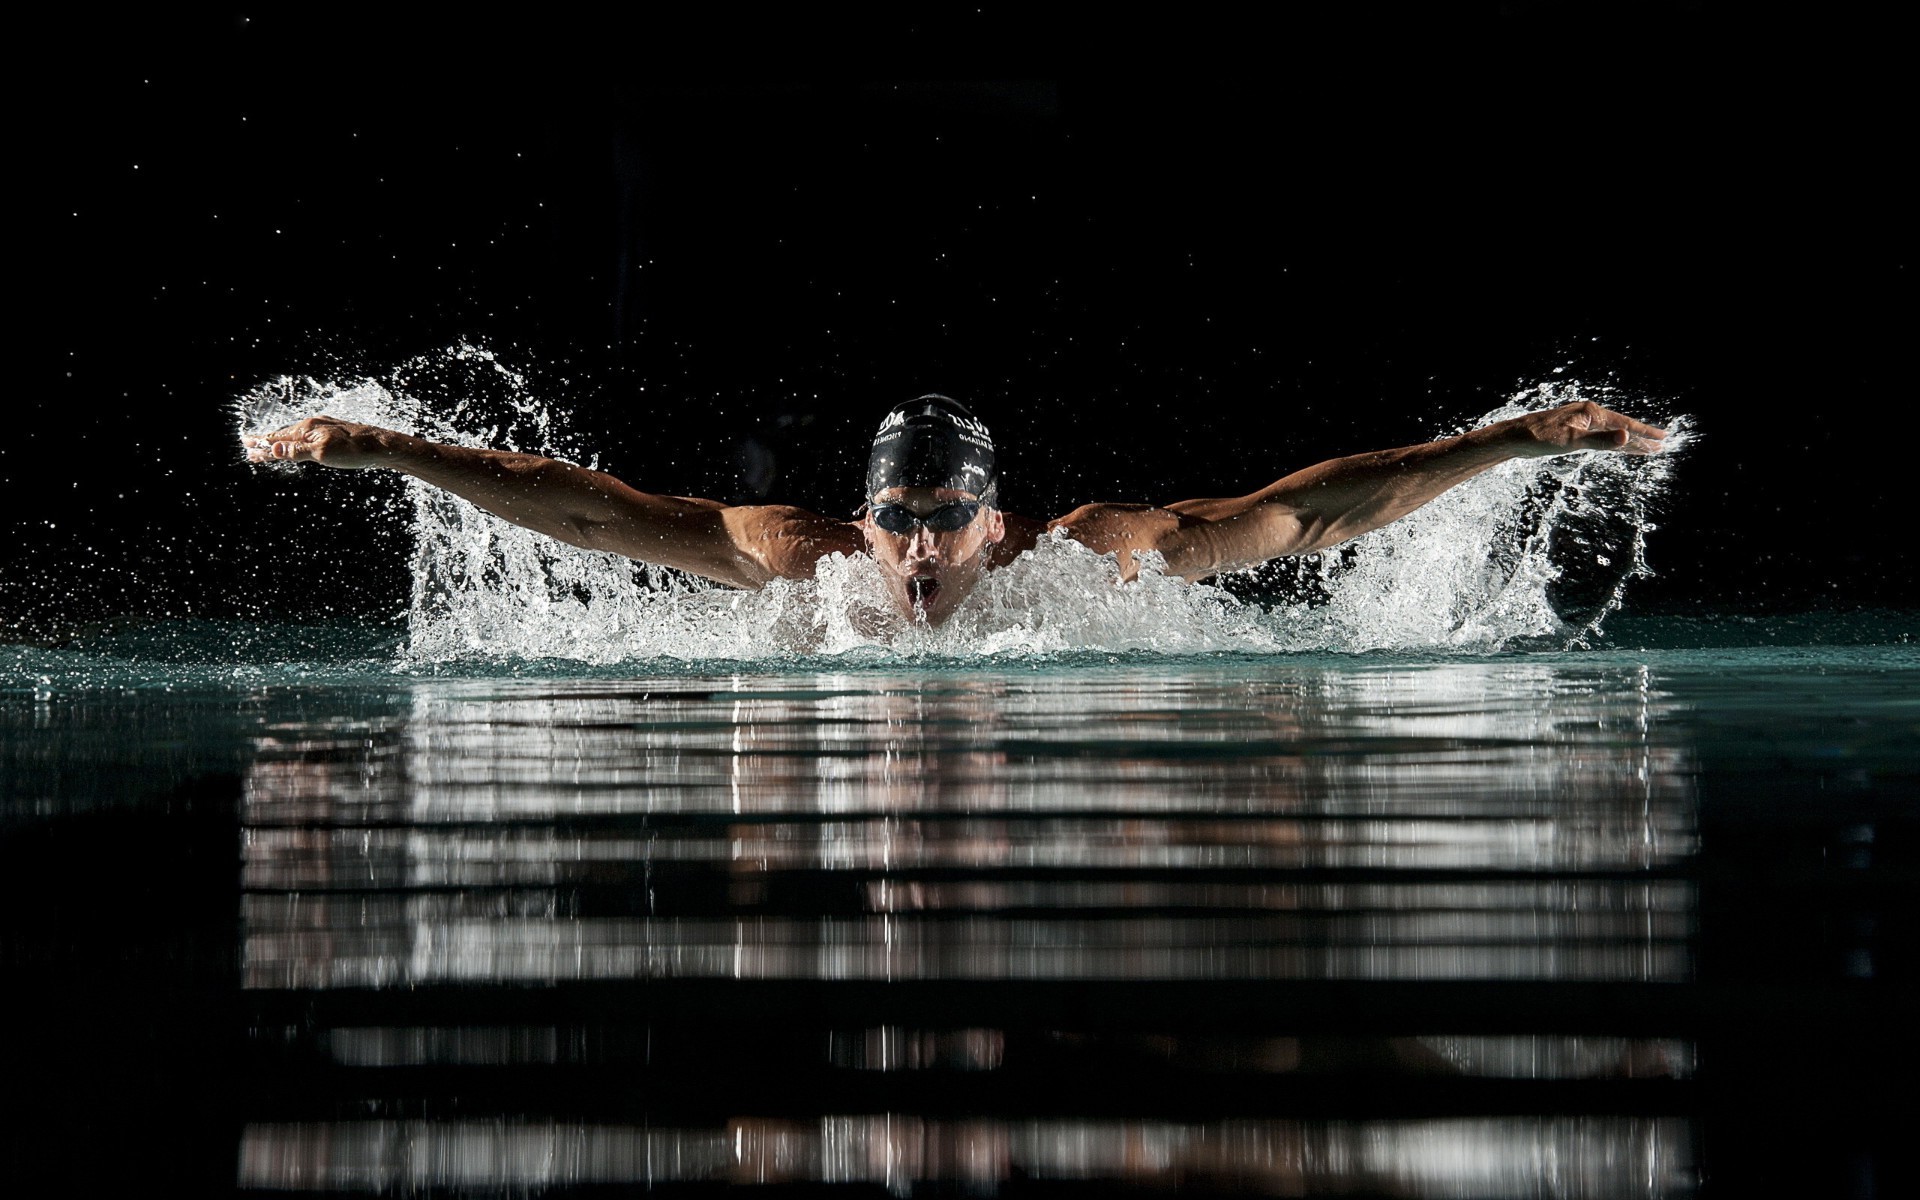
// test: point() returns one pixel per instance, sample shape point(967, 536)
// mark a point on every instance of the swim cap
point(933, 441)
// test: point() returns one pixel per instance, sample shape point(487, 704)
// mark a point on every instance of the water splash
point(1535, 551)
point(463, 395)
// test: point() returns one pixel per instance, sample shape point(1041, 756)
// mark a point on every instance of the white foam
point(1474, 570)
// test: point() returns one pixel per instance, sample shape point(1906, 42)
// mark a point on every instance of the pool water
point(306, 915)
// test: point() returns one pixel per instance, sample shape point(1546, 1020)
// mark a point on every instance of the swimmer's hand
point(324, 440)
point(1580, 426)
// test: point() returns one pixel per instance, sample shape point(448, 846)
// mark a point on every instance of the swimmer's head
point(931, 516)
point(933, 441)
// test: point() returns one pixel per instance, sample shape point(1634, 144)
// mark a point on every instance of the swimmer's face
point(930, 568)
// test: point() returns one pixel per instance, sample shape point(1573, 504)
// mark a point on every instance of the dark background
point(1163, 257)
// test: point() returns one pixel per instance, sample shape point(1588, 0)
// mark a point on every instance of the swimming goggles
point(948, 518)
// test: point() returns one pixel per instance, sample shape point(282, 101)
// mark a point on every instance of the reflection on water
point(1529, 926)
point(383, 941)
point(893, 1048)
point(1486, 822)
point(1489, 823)
point(1488, 1157)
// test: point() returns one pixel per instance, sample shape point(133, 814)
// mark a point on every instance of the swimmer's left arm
point(1342, 498)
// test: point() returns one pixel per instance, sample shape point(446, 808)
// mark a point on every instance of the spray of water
point(1535, 551)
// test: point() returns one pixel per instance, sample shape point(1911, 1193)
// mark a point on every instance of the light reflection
point(491, 1046)
point(895, 1048)
point(1613, 1157)
point(1559, 895)
point(1497, 744)
point(320, 942)
point(517, 856)
point(1480, 821)
point(1545, 1056)
point(891, 1048)
point(1524, 1056)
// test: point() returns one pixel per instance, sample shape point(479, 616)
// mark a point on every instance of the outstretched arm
point(1343, 498)
point(737, 546)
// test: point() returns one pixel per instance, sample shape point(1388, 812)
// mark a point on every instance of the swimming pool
point(313, 917)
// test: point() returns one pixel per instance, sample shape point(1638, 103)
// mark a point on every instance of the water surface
point(1624, 921)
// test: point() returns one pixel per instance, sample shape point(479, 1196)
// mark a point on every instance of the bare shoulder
point(1121, 529)
point(787, 542)
point(1107, 522)
point(1022, 535)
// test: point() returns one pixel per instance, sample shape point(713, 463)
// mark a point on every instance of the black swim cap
point(933, 441)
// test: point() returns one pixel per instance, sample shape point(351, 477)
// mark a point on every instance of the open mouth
point(922, 589)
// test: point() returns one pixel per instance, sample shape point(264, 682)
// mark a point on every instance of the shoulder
point(787, 542)
point(1121, 529)
point(1126, 522)
point(1022, 535)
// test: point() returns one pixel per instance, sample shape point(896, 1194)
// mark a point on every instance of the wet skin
point(929, 574)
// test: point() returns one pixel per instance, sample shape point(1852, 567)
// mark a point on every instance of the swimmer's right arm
point(737, 546)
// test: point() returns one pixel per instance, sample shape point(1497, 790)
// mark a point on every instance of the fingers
point(1633, 428)
point(1600, 417)
point(1636, 437)
point(303, 441)
point(259, 449)
point(1609, 430)
point(276, 447)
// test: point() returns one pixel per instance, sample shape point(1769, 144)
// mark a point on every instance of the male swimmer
point(932, 518)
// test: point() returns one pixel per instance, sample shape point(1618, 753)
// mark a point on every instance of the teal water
point(322, 917)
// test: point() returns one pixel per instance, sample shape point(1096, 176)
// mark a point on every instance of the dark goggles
point(948, 518)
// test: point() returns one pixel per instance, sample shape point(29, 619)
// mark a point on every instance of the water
point(1572, 923)
point(1420, 869)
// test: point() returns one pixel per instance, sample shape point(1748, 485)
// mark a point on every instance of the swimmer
point(932, 518)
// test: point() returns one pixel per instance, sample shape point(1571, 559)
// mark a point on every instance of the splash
point(1532, 552)
point(1538, 550)
point(463, 395)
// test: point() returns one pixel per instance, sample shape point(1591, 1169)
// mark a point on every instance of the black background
point(1163, 256)
point(1168, 255)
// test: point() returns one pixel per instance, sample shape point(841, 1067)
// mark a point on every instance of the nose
point(920, 543)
